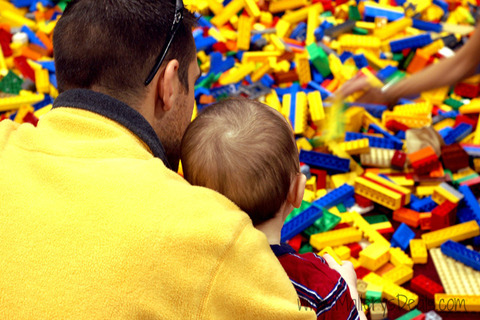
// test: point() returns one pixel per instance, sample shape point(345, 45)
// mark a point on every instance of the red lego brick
point(361, 272)
point(454, 157)
point(386, 232)
point(425, 286)
point(22, 65)
point(342, 226)
point(425, 220)
point(30, 118)
point(419, 317)
point(461, 118)
point(355, 249)
point(296, 242)
point(443, 215)
point(362, 201)
point(321, 177)
point(467, 90)
point(399, 159)
point(395, 126)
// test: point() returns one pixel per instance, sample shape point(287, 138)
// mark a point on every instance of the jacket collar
point(117, 111)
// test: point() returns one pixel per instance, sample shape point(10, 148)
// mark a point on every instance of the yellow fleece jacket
point(93, 226)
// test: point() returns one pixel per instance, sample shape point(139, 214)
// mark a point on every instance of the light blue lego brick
point(411, 42)
point(52, 78)
point(472, 150)
point(461, 253)
point(402, 236)
point(332, 164)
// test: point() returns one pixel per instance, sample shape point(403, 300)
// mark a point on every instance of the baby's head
point(246, 151)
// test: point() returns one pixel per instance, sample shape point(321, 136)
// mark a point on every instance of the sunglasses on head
point(177, 19)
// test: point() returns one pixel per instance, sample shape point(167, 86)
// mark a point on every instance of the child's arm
point(348, 274)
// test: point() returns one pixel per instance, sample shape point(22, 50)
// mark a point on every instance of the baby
point(246, 151)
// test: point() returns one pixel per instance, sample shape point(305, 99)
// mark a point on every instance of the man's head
point(111, 47)
point(246, 151)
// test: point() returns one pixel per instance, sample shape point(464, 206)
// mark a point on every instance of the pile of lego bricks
point(404, 218)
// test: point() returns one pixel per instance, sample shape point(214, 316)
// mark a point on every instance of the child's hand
point(346, 270)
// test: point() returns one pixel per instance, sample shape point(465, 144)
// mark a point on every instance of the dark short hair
point(246, 151)
point(114, 43)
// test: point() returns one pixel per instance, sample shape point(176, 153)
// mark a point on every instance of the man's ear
point(168, 85)
point(297, 188)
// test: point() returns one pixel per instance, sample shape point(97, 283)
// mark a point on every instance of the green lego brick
point(353, 13)
point(398, 56)
point(410, 315)
point(360, 31)
point(341, 208)
point(295, 212)
point(11, 83)
point(376, 218)
point(307, 247)
point(373, 296)
point(326, 14)
point(319, 59)
point(327, 222)
point(455, 104)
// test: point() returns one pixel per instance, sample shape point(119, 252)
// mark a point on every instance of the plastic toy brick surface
point(374, 256)
point(331, 164)
point(457, 232)
point(418, 251)
point(426, 286)
point(335, 238)
point(443, 216)
point(462, 254)
point(402, 236)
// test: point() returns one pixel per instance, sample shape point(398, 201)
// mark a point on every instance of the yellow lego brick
point(366, 228)
point(412, 121)
point(320, 193)
point(398, 257)
point(354, 262)
point(351, 42)
point(312, 24)
point(382, 225)
point(311, 184)
point(286, 101)
point(340, 179)
point(25, 97)
point(368, 119)
point(215, 6)
point(476, 164)
point(456, 277)
point(457, 232)
point(375, 60)
point(335, 238)
point(41, 81)
point(332, 253)
point(356, 146)
point(457, 303)
point(414, 108)
point(342, 252)
point(236, 74)
point(17, 20)
point(399, 275)
point(418, 250)
point(449, 122)
point(214, 32)
point(463, 173)
point(365, 25)
point(284, 5)
point(301, 113)
point(40, 112)
point(3, 64)
point(304, 144)
point(260, 72)
point(468, 139)
point(272, 100)
point(436, 96)
point(424, 191)
point(244, 32)
point(440, 195)
point(403, 181)
point(472, 107)
point(394, 293)
point(378, 194)
point(308, 195)
point(53, 92)
point(283, 28)
point(230, 10)
point(315, 106)
point(353, 118)
point(392, 28)
point(303, 68)
point(252, 8)
point(22, 112)
point(374, 256)
point(433, 48)
point(337, 150)
point(277, 42)
point(266, 17)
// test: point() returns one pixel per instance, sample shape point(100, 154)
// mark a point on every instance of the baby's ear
point(297, 188)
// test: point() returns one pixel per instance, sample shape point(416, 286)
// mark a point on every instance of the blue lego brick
point(386, 72)
point(331, 164)
point(405, 101)
point(401, 135)
point(469, 208)
point(228, 90)
point(319, 33)
point(293, 102)
point(450, 114)
point(267, 80)
point(375, 142)
point(202, 22)
point(350, 202)
point(423, 205)
point(52, 78)
point(335, 197)
point(427, 26)
point(32, 38)
point(300, 32)
point(375, 110)
point(204, 43)
point(360, 61)
point(458, 133)
point(402, 236)
point(48, 65)
point(370, 13)
point(385, 133)
point(461, 253)
point(301, 222)
point(217, 64)
point(411, 42)
point(442, 4)
point(45, 102)
point(201, 90)
point(472, 150)
point(445, 132)
point(316, 76)
point(323, 92)
point(345, 56)
point(22, 3)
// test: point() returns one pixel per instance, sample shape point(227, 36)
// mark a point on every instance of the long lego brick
point(335, 197)
point(399, 275)
point(458, 133)
point(394, 293)
point(391, 186)
point(411, 42)
point(398, 257)
point(471, 211)
point(457, 303)
point(300, 222)
point(375, 142)
point(368, 230)
point(461, 253)
point(335, 238)
point(374, 192)
point(426, 286)
point(16, 102)
point(423, 205)
point(331, 164)
point(457, 232)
